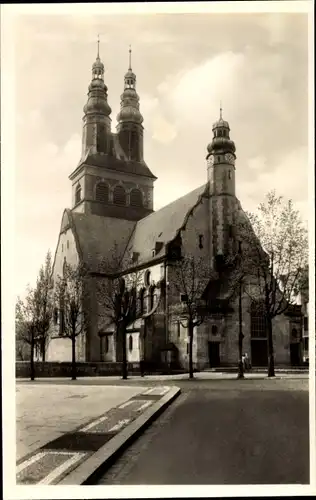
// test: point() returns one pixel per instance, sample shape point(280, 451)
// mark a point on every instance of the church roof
point(162, 225)
point(101, 240)
point(117, 161)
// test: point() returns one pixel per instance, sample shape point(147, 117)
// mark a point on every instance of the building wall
point(133, 355)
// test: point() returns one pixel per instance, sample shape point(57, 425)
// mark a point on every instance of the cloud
point(287, 177)
point(185, 65)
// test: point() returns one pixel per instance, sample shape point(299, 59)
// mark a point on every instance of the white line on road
point(149, 390)
point(127, 403)
point(61, 468)
point(145, 405)
point(164, 391)
point(120, 424)
point(30, 461)
point(93, 424)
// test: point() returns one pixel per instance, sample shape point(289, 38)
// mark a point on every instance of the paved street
point(224, 431)
point(46, 411)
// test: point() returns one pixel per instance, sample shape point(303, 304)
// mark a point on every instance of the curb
point(90, 470)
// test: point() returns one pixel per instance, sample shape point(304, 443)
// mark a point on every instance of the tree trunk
point(124, 354)
point(191, 350)
point(270, 348)
point(73, 358)
point(32, 365)
point(240, 338)
point(43, 350)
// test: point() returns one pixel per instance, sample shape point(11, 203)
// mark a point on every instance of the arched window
point(106, 347)
point(229, 174)
point(294, 333)
point(214, 330)
point(119, 196)
point(136, 198)
point(153, 296)
point(78, 194)
point(130, 343)
point(102, 192)
point(258, 320)
point(141, 300)
point(55, 315)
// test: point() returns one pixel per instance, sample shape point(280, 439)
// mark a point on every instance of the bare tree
point(70, 294)
point(44, 287)
point(27, 322)
point(34, 314)
point(117, 296)
point(275, 253)
point(191, 275)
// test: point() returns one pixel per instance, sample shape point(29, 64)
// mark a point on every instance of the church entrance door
point(213, 353)
point(259, 352)
point(295, 354)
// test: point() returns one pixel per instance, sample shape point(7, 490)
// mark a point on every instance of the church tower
point(129, 128)
point(112, 178)
point(96, 137)
point(222, 201)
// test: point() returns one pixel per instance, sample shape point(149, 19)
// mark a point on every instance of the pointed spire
point(220, 110)
point(98, 53)
point(130, 58)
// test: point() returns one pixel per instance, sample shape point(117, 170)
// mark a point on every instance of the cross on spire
point(98, 54)
point(220, 110)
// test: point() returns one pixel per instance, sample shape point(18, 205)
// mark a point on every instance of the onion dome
point(129, 111)
point(221, 141)
point(97, 95)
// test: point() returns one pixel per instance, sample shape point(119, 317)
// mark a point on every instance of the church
point(113, 215)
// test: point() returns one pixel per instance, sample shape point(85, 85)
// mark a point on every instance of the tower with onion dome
point(129, 119)
point(112, 178)
point(96, 137)
point(221, 159)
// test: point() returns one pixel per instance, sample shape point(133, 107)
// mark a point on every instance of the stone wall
point(63, 369)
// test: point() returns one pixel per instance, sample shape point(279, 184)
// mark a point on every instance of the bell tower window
point(78, 194)
point(119, 196)
point(102, 192)
point(136, 198)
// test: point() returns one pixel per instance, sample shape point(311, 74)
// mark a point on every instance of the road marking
point(30, 461)
point(93, 424)
point(159, 391)
point(127, 403)
point(163, 391)
point(61, 468)
point(145, 405)
point(149, 390)
point(120, 424)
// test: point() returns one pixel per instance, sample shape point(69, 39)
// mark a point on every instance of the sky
point(255, 64)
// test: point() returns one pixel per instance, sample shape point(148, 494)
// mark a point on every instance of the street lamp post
point(240, 335)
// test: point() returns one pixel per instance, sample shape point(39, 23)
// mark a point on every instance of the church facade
point(113, 214)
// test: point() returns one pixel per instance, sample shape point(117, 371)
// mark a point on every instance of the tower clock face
point(230, 158)
point(211, 160)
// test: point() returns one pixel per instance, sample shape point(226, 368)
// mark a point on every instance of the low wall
point(63, 369)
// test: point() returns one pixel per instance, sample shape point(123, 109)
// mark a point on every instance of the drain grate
point(79, 441)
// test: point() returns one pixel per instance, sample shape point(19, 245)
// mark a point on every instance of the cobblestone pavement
point(60, 426)
point(227, 433)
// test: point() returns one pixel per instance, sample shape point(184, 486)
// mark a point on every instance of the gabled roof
point(101, 240)
point(162, 226)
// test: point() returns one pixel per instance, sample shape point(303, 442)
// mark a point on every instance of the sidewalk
point(168, 379)
point(62, 428)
